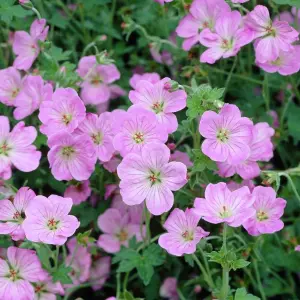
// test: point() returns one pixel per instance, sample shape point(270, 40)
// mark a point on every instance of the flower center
point(122, 236)
point(261, 216)
point(4, 149)
point(66, 118)
point(154, 177)
point(96, 80)
point(15, 93)
point(225, 213)
point(138, 137)
point(13, 275)
point(97, 138)
point(270, 30)
point(158, 107)
point(226, 44)
point(52, 224)
point(223, 135)
point(277, 62)
point(39, 288)
point(19, 217)
point(67, 151)
point(188, 236)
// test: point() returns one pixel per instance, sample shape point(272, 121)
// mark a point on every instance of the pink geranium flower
point(112, 164)
point(181, 157)
point(16, 147)
point(169, 289)
point(137, 128)
point(227, 40)
point(261, 149)
point(221, 205)
point(71, 157)
point(33, 93)
point(12, 214)
point(10, 85)
point(297, 248)
point(21, 268)
point(239, 1)
point(156, 98)
point(227, 134)
point(78, 192)
point(48, 220)
point(203, 14)
point(287, 63)
point(100, 130)
point(151, 177)
point(232, 185)
point(183, 233)
point(100, 272)
point(47, 290)
point(64, 112)
point(268, 211)
point(96, 80)
point(162, 2)
point(136, 78)
point(117, 230)
point(273, 37)
point(80, 262)
point(26, 46)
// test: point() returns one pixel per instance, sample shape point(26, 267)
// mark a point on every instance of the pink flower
point(232, 185)
point(116, 92)
point(100, 272)
point(162, 2)
point(268, 211)
point(117, 230)
point(136, 78)
point(100, 131)
point(10, 85)
point(183, 233)
point(96, 80)
point(222, 205)
point(78, 192)
point(16, 147)
point(287, 63)
point(227, 40)
point(227, 135)
point(136, 129)
point(12, 214)
point(297, 248)
point(80, 262)
point(203, 14)
point(163, 57)
point(111, 165)
point(261, 149)
point(239, 1)
point(151, 177)
point(169, 289)
point(273, 114)
point(181, 157)
point(47, 290)
point(71, 157)
point(48, 220)
point(26, 45)
point(273, 37)
point(33, 93)
point(156, 98)
point(21, 268)
point(64, 112)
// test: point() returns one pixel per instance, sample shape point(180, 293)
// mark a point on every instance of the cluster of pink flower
point(213, 24)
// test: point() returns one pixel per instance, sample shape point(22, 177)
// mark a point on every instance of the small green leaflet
point(241, 294)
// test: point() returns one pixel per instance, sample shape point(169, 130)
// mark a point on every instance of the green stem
point(225, 271)
point(151, 241)
point(292, 185)
point(73, 254)
point(118, 286)
point(147, 218)
point(295, 87)
point(266, 94)
point(180, 294)
point(125, 281)
point(230, 75)
point(56, 258)
point(36, 12)
point(284, 111)
point(260, 287)
point(202, 269)
point(206, 266)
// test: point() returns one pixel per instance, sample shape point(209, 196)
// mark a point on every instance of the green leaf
point(241, 294)
point(145, 271)
point(295, 3)
point(58, 54)
point(154, 255)
point(189, 259)
point(44, 254)
point(202, 162)
point(62, 274)
point(127, 266)
point(125, 253)
point(239, 264)
point(202, 99)
point(84, 239)
point(293, 122)
point(58, 21)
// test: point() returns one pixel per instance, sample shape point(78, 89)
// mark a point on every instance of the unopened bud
point(171, 86)
point(103, 58)
point(26, 4)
